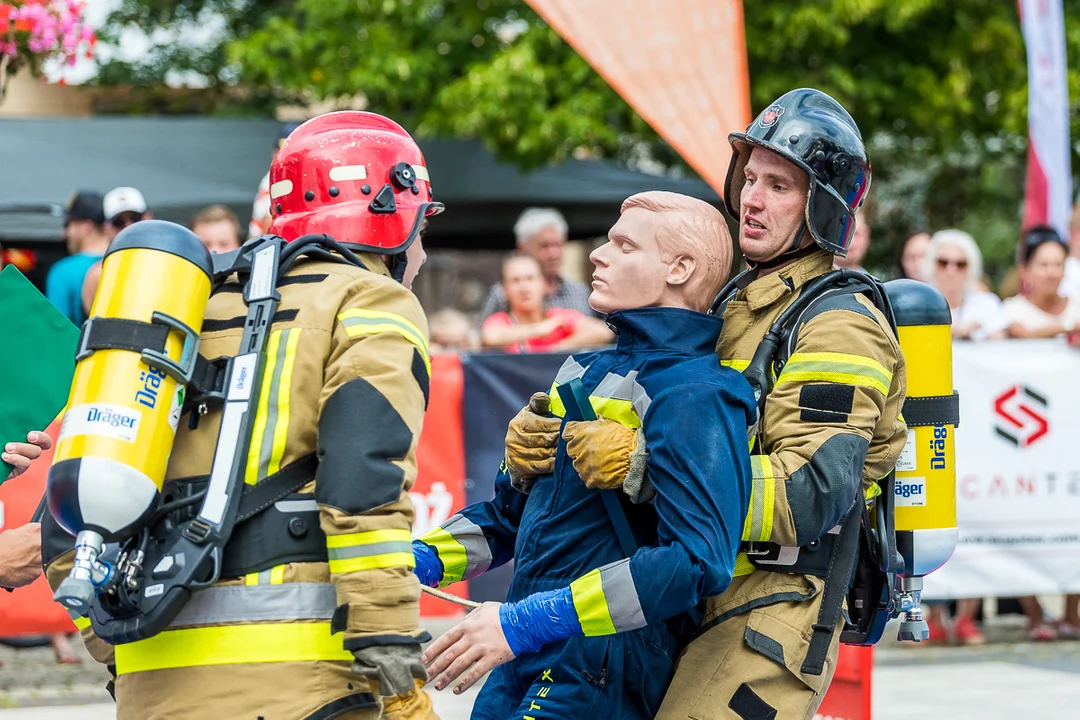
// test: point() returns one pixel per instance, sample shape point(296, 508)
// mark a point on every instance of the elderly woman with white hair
point(953, 265)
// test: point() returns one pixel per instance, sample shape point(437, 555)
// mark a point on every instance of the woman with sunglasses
point(1041, 311)
point(953, 265)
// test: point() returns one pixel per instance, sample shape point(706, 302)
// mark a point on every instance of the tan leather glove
point(392, 669)
point(608, 455)
point(413, 705)
point(531, 439)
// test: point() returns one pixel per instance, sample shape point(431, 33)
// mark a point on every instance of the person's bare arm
point(89, 286)
point(589, 332)
point(20, 555)
point(494, 335)
point(1016, 330)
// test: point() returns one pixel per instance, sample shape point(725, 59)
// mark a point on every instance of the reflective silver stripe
point(757, 507)
point(471, 537)
point(618, 387)
point(570, 370)
point(291, 506)
point(265, 577)
point(256, 603)
point(382, 548)
point(621, 596)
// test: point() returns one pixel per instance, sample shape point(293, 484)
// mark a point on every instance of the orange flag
point(680, 65)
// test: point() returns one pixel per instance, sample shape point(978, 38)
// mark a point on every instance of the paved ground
point(1007, 678)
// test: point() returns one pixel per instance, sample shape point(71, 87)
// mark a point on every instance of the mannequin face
point(632, 271)
point(772, 204)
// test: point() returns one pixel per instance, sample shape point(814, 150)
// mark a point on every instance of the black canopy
point(184, 164)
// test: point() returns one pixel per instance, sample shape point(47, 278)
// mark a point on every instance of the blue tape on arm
point(429, 568)
point(539, 619)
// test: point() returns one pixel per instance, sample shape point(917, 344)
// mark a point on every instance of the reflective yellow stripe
point(743, 566)
point(277, 575)
point(455, 558)
point(759, 516)
point(872, 491)
point(359, 322)
point(621, 411)
point(739, 365)
point(840, 368)
point(251, 579)
point(232, 645)
point(281, 429)
point(81, 622)
point(557, 407)
point(251, 475)
point(373, 562)
point(591, 605)
point(368, 538)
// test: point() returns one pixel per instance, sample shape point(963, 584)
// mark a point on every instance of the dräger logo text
point(1020, 416)
point(910, 492)
point(108, 417)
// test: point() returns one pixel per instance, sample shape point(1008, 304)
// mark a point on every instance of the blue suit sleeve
point(475, 540)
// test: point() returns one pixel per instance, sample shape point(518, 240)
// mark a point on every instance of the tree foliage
point(939, 87)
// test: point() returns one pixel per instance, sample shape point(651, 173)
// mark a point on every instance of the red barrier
point(440, 485)
point(29, 610)
point(849, 695)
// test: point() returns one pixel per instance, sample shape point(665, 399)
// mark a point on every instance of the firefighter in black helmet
point(830, 428)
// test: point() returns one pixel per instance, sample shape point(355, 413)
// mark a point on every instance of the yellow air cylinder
point(925, 487)
point(125, 402)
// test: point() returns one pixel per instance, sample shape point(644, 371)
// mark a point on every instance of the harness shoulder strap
point(578, 407)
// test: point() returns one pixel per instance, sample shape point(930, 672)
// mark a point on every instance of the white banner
point(1048, 187)
point(1017, 471)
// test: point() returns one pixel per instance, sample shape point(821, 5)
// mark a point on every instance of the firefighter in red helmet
point(316, 612)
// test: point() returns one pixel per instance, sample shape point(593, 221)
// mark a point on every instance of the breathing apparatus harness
point(858, 559)
point(144, 583)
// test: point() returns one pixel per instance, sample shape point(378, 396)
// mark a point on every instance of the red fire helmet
point(355, 176)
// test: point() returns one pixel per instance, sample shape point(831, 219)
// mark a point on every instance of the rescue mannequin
point(592, 620)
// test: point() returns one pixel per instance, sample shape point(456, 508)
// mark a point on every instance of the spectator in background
point(124, 206)
point(87, 241)
point(450, 331)
point(953, 265)
point(527, 326)
point(542, 233)
point(911, 258)
point(860, 243)
point(218, 228)
point(1041, 311)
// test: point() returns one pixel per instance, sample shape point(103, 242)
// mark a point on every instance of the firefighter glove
point(394, 667)
point(609, 455)
point(530, 443)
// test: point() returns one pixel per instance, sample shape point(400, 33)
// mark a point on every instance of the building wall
point(28, 96)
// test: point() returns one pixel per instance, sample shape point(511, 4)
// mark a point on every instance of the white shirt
point(1020, 310)
point(983, 308)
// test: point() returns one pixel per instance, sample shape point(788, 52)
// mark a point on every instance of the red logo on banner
point(1021, 416)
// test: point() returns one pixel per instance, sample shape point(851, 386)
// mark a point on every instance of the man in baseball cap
point(87, 241)
point(124, 206)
